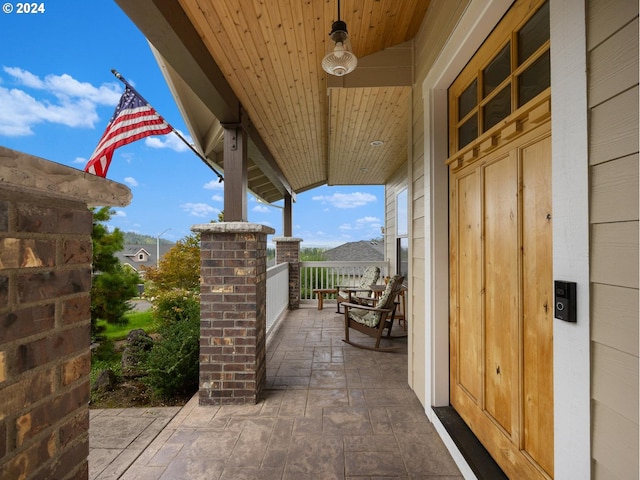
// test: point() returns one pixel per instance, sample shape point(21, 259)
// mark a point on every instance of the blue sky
point(57, 94)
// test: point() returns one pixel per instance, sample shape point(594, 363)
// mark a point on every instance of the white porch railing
point(277, 293)
point(316, 275)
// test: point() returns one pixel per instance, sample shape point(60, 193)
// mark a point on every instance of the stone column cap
point(287, 239)
point(22, 172)
point(232, 227)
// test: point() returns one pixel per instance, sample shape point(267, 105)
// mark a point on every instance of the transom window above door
point(509, 71)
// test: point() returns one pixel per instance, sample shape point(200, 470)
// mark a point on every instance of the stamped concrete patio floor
point(330, 411)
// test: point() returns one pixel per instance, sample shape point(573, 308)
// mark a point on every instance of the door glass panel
point(497, 108)
point(534, 79)
point(468, 131)
point(497, 70)
point(468, 100)
point(534, 33)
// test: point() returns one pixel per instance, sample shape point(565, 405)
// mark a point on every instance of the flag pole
point(184, 140)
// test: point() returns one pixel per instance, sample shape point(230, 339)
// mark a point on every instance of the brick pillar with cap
point(233, 285)
point(288, 251)
point(45, 314)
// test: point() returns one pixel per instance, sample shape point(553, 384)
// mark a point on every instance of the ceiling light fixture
point(377, 143)
point(340, 60)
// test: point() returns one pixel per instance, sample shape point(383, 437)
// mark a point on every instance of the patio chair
point(373, 319)
point(345, 293)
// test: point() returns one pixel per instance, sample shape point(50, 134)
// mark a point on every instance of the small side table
point(321, 292)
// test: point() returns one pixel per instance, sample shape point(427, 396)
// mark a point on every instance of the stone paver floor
point(117, 436)
point(330, 411)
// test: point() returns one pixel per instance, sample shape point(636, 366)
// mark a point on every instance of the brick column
point(288, 250)
point(45, 318)
point(233, 289)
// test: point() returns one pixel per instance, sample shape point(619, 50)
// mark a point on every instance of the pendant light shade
point(340, 60)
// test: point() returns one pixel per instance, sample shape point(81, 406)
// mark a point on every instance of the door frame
point(572, 411)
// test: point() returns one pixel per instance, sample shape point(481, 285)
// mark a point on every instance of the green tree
point(113, 285)
point(179, 268)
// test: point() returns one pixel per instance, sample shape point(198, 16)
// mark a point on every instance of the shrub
point(172, 363)
point(175, 306)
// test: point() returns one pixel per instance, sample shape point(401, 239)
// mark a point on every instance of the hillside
point(132, 238)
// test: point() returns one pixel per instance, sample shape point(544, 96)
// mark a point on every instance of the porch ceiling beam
point(169, 30)
point(213, 139)
point(391, 67)
point(262, 157)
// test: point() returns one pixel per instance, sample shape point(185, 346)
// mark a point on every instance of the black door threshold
point(476, 456)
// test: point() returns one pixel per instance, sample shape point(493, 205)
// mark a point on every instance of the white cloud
point(132, 182)
point(217, 198)
point(65, 86)
point(120, 213)
point(28, 79)
point(260, 209)
point(366, 220)
point(346, 200)
point(368, 223)
point(126, 156)
point(80, 160)
point(213, 185)
point(363, 223)
point(20, 112)
point(170, 141)
point(73, 104)
point(199, 209)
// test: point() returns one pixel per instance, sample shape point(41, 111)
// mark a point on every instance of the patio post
point(288, 251)
point(235, 173)
point(287, 216)
point(233, 285)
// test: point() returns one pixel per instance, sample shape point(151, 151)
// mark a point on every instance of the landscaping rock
point(105, 381)
point(137, 346)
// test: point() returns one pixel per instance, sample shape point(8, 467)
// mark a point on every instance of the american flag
point(132, 120)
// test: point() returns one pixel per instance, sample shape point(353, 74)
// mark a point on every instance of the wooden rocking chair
point(345, 293)
point(373, 319)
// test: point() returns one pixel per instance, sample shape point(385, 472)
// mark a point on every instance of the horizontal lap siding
point(436, 28)
point(613, 156)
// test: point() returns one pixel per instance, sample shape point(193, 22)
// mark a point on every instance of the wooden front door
point(501, 288)
point(502, 302)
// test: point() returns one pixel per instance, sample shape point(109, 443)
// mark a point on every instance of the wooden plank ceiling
point(317, 129)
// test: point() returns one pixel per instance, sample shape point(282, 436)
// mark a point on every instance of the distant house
point(364, 250)
point(138, 256)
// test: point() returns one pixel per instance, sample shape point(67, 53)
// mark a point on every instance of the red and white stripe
point(129, 125)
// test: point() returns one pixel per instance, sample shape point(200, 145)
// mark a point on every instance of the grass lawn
point(142, 320)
